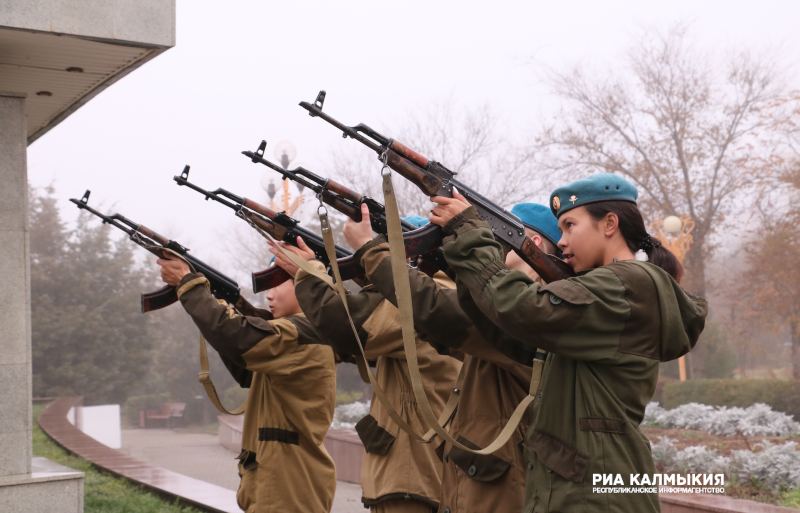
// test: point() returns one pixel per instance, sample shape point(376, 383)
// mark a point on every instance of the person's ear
point(537, 239)
point(611, 224)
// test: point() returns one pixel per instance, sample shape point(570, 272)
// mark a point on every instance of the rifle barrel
point(315, 111)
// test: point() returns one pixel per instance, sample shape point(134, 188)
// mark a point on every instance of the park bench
point(168, 412)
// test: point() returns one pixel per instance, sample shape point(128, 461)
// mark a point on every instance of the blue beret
point(599, 187)
point(417, 221)
point(538, 217)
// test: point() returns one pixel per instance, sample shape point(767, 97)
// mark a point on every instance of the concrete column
point(15, 296)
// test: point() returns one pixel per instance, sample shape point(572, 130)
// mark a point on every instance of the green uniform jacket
point(606, 329)
point(284, 465)
point(394, 467)
point(493, 387)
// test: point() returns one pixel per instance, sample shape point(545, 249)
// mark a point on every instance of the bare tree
point(690, 135)
point(246, 251)
point(466, 141)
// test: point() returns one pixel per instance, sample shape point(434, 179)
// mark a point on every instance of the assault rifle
point(222, 287)
point(349, 202)
point(433, 179)
point(277, 224)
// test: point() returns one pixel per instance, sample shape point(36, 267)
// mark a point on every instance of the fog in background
point(240, 68)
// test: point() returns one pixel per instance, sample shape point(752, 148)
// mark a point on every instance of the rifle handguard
point(410, 154)
point(548, 267)
point(426, 182)
point(344, 192)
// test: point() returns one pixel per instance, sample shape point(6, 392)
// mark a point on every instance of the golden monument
point(285, 152)
point(675, 234)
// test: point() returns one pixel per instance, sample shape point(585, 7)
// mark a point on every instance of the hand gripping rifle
point(433, 179)
point(222, 287)
point(349, 202)
point(277, 224)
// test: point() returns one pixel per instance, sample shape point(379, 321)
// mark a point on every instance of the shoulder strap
point(403, 293)
point(208, 385)
point(452, 401)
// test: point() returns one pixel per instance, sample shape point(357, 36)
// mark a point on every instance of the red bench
point(168, 412)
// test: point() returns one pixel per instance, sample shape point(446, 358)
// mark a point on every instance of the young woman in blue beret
point(605, 330)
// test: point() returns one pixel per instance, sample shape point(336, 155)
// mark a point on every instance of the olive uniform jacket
point(395, 467)
point(606, 330)
point(493, 387)
point(292, 377)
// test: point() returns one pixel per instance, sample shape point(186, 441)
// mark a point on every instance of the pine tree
point(89, 337)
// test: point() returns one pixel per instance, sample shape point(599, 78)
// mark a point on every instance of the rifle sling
point(363, 365)
point(205, 376)
point(452, 401)
point(402, 289)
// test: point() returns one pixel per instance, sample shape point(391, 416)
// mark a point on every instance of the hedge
point(781, 395)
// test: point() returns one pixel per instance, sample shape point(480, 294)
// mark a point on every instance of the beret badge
point(556, 203)
point(573, 199)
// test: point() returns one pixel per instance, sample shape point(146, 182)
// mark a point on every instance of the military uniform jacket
point(493, 387)
point(606, 331)
point(395, 467)
point(283, 464)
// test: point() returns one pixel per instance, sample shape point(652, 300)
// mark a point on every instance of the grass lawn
point(101, 493)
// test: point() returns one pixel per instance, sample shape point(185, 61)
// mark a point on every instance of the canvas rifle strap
point(452, 401)
point(402, 289)
point(204, 375)
point(363, 365)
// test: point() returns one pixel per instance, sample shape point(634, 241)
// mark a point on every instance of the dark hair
point(631, 225)
point(547, 246)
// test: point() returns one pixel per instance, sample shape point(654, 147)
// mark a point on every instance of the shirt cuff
point(359, 255)
point(190, 281)
point(463, 221)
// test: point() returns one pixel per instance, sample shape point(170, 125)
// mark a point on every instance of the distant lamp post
point(676, 235)
point(285, 152)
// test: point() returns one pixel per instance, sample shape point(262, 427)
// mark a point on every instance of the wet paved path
point(199, 455)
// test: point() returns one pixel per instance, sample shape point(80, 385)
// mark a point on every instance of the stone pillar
point(15, 296)
point(25, 485)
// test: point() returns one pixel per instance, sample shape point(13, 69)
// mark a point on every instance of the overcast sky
point(240, 68)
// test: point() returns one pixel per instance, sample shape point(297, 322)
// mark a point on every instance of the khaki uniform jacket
point(284, 465)
point(606, 331)
point(395, 467)
point(493, 387)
